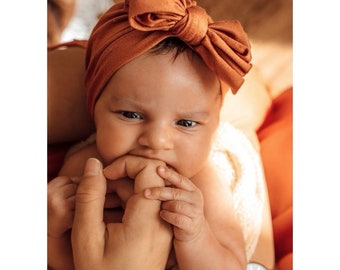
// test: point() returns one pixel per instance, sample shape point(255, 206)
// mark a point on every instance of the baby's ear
point(248, 108)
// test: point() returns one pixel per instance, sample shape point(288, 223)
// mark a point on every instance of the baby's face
point(160, 108)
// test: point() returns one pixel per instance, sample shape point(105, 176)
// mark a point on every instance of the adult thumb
point(88, 226)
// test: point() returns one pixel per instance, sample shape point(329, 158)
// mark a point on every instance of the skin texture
point(160, 109)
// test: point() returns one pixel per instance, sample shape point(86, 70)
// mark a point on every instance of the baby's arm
point(206, 229)
point(222, 220)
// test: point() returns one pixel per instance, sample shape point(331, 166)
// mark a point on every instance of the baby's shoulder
point(74, 163)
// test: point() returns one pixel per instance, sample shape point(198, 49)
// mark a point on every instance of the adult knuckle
point(84, 197)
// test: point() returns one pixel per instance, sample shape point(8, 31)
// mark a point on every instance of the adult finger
point(176, 179)
point(88, 232)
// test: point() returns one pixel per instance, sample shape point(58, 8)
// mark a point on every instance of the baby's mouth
point(170, 167)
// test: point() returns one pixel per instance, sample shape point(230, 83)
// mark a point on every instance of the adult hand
point(141, 241)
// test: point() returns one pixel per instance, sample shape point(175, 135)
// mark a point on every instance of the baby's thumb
point(90, 197)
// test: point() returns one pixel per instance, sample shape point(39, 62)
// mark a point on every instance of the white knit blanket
point(241, 163)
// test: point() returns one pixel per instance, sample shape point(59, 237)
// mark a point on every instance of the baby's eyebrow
point(181, 113)
point(194, 114)
point(126, 101)
point(121, 99)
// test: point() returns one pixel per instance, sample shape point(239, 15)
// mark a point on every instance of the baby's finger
point(175, 178)
point(60, 181)
point(168, 194)
point(69, 190)
point(179, 207)
point(177, 220)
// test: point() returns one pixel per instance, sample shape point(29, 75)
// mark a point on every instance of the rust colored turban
point(128, 30)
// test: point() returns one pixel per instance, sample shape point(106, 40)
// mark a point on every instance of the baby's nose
point(157, 137)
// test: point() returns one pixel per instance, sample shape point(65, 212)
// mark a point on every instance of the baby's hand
point(182, 204)
point(61, 203)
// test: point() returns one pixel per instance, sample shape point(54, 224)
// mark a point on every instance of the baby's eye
point(131, 115)
point(186, 123)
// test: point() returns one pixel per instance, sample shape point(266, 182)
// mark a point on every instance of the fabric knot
point(193, 27)
point(152, 15)
point(183, 18)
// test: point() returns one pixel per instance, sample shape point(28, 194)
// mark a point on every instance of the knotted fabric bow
point(128, 30)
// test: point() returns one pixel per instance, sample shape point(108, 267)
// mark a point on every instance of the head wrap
point(128, 30)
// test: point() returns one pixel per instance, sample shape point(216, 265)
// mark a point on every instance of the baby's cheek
point(104, 144)
point(194, 164)
point(107, 152)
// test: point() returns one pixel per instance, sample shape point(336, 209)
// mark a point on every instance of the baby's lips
point(170, 167)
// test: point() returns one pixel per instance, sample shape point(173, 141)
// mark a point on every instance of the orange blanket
point(275, 137)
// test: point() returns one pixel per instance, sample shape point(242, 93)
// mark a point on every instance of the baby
point(156, 76)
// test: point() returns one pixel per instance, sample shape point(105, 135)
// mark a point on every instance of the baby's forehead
point(167, 70)
point(160, 74)
point(169, 58)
